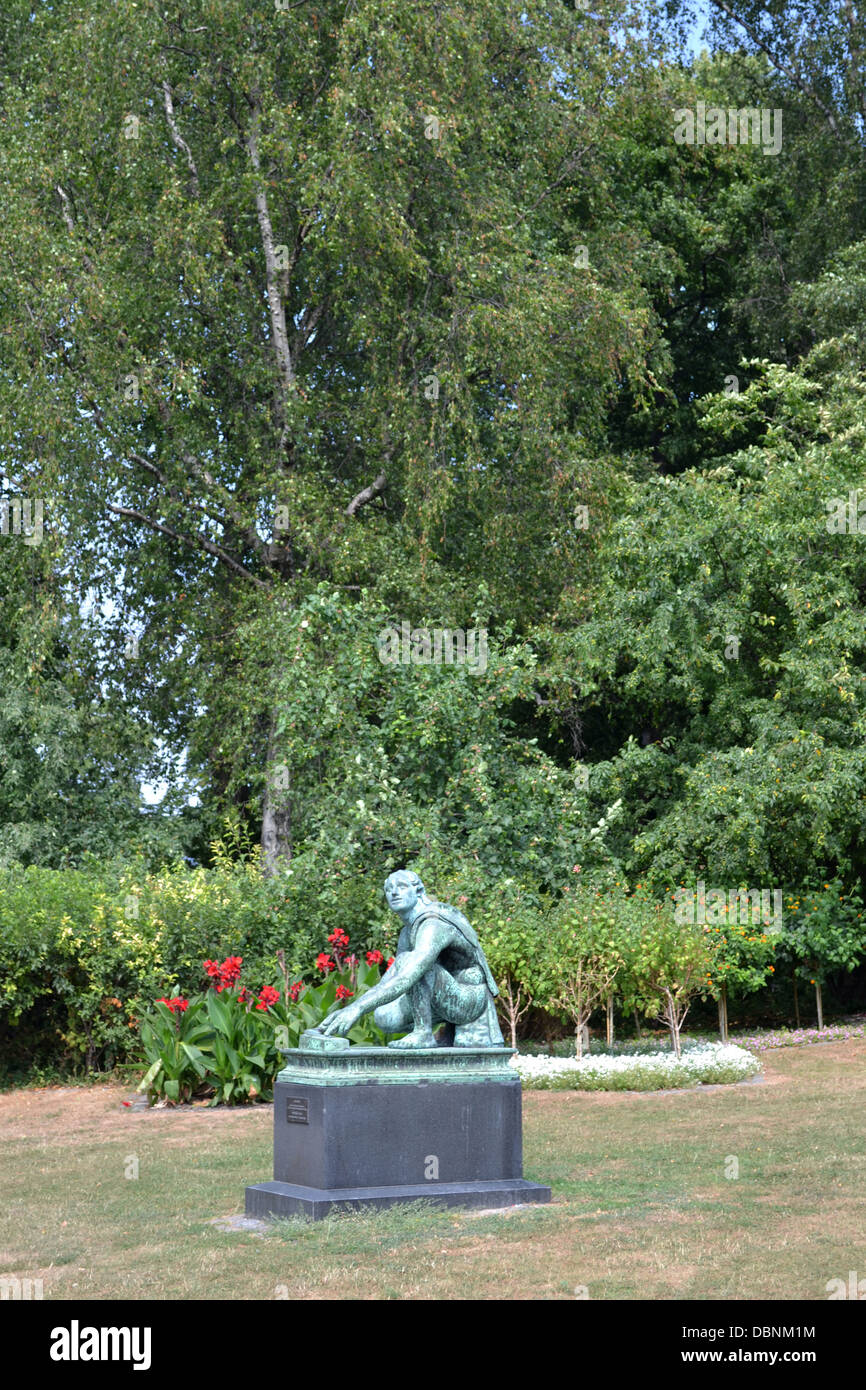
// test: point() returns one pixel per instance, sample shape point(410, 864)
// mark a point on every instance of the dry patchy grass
point(642, 1207)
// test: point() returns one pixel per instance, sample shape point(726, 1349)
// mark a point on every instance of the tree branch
point(178, 139)
point(66, 208)
point(196, 541)
point(791, 73)
point(275, 298)
point(251, 536)
point(857, 59)
point(249, 532)
point(366, 494)
point(306, 328)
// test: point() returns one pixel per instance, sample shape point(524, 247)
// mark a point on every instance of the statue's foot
point(416, 1039)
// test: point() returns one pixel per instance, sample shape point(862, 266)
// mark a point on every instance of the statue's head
point(403, 889)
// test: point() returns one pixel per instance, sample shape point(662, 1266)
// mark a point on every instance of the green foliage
point(671, 966)
point(317, 999)
point(172, 1044)
point(394, 764)
point(582, 959)
point(191, 405)
point(69, 755)
point(615, 941)
point(824, 932)
point(751, 766)
point(236, 1048)
point(511, 926)
point(85, 952)
point(743, 955)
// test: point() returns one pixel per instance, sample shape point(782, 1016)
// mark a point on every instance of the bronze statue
point(438, 976)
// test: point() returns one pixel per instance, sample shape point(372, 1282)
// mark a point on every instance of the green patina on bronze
point(439, 976)
point(421, 1065)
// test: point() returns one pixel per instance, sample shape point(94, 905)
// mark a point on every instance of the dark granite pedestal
point(374, 1126)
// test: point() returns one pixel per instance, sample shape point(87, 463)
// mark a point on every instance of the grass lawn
point(642, 1208)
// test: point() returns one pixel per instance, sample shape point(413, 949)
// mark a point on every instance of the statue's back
point(455, 918)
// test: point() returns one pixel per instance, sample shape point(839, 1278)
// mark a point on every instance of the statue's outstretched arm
point(406, 971)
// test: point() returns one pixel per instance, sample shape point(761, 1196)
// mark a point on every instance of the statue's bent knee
point(458, 1000)
point(393, 1017)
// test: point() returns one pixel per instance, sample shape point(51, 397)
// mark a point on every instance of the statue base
point(267, 1200)
point(376, 1126)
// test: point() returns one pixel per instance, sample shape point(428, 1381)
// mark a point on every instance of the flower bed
point(798, 1037)
point(228, 1042)
point(648, 1046)
point(710, 1064)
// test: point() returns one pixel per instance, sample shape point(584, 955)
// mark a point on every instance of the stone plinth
point(374, 1126)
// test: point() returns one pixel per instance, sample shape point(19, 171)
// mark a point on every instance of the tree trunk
point(673, 1025)
point(276, 812)
point(511, 1007)
point(609, 1021)
point(820, 1005)
point(796, 1003)
point(637, 1023)
point(723, 1014)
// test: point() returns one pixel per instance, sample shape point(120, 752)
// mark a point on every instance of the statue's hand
point(339, 1024)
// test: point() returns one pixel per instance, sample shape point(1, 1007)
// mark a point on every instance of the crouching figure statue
point(438, 976)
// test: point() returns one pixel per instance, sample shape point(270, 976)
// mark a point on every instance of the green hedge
point(84, 951)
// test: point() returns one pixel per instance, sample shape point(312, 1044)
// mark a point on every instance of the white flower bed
point(710, 1064)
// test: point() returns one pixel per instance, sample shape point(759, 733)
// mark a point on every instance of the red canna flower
point(343, 993)
point(374, 957)
point(230, 971)
point(390, 962)
point(338, 937)
point(324, 962)
point(177, 1005)
point(295, 990)
point(212, 968)
point(267, 997)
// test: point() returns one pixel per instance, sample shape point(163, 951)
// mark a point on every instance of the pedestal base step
point(285, 1199)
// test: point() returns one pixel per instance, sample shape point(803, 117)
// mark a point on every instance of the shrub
point(85, 951)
